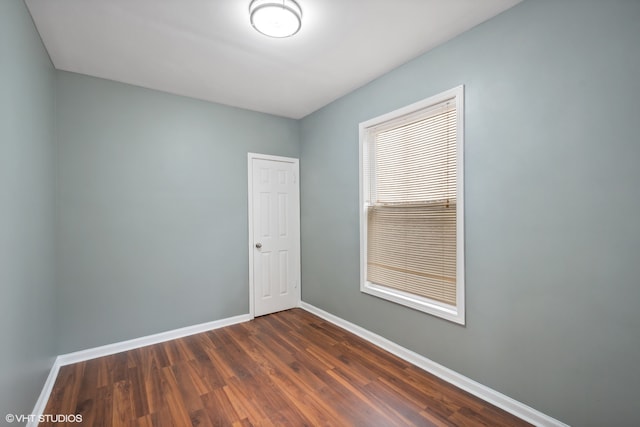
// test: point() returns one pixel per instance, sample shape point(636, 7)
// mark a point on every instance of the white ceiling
point(207, 49)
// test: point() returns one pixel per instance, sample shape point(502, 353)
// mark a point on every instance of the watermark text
point(43, 418)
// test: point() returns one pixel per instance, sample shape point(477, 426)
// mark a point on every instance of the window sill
point(435, 308)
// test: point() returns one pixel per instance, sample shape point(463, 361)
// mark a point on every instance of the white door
point(274, 233)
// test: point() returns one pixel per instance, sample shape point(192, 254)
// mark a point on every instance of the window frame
point(455, 313)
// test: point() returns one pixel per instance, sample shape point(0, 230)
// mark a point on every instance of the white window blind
point(410, 171)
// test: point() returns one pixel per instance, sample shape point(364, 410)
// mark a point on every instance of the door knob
point(258, 245)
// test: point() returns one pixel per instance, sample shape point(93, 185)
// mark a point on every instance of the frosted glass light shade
point(275, 18)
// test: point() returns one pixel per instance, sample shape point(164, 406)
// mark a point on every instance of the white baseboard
point(45, 393)
point(485, 393)
point(106, 350)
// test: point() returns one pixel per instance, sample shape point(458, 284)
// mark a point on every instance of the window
point(412, 223)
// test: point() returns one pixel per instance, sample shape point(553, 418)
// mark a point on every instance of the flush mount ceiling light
point(276, 18)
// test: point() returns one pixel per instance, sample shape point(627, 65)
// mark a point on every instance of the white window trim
point(455, 313)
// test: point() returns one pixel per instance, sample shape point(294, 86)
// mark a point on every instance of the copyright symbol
point(10, 418)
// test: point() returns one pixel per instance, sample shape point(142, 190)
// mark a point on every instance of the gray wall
point(552, 202)
point(152, 209)
point(26, 210)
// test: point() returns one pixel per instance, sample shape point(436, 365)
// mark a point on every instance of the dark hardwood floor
point(289, 368)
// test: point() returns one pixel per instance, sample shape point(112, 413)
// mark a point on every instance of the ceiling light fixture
point(276, 18)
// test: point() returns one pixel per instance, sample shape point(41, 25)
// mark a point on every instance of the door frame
point(296, 166)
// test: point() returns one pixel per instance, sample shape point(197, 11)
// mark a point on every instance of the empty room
point(336, 212)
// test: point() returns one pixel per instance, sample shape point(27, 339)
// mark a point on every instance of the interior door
point(274, 233)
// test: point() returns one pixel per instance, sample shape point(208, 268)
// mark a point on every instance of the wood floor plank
point(117, 367)
point(123, 405)
point(391, 402)
point(285, 369)
point(173, 399)
point(138, 391)
point(103, 407)
point(152, 381)
point(219, 408)
point(186, 387)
